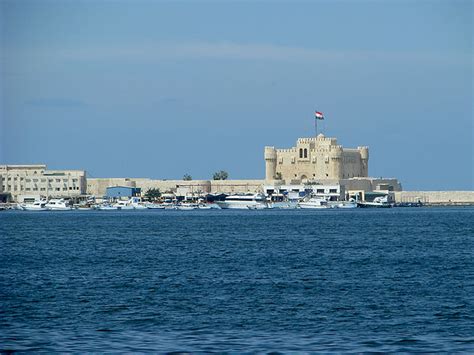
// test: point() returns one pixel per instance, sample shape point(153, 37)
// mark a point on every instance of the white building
point(36, 180)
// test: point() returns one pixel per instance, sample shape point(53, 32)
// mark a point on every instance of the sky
point(160, 89)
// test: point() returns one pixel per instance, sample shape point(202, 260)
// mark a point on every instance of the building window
point(333, 191)
point(301, 153)
point(43, 189)
point(58, 189)
point(320, 191)
point(305, 153)
point(27, 189)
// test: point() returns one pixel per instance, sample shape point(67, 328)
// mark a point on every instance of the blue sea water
point(400, 279)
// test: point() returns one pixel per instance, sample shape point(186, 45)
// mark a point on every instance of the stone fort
point(316, 158)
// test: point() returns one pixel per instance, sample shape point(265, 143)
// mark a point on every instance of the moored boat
point(154, 206)
point(106, 207)
point(34, 206)
point(378, 202)
point(253, 201)
point(204, 207)
point(186, 207)
point(57, 205)
point(313, 203)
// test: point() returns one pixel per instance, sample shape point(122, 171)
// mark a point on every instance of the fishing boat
point(378, 202)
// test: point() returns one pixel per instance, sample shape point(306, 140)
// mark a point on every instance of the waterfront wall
point(436, 197)
point(98, 186)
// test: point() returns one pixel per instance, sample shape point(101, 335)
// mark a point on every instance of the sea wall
point(98, 186)
point(436, 197)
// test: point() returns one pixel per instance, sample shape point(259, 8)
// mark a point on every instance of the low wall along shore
point(436, 197)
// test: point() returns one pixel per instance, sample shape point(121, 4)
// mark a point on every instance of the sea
point(360, 280)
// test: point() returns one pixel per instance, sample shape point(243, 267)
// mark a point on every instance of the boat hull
point(240, 205)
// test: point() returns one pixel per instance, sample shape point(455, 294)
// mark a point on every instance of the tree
point(220, 175)
point(187, 177)
point(153, 194)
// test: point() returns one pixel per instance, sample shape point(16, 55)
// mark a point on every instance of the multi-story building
point(36, 180)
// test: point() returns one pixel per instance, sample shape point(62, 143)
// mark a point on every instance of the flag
point(318, 115)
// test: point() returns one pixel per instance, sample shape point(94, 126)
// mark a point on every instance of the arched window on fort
point(305, 153)
point(301, 153)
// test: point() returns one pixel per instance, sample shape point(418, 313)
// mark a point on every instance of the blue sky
point(159, 89)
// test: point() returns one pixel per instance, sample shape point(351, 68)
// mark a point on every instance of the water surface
point(277, 280)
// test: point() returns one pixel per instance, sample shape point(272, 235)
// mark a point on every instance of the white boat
point(378, 202)
point(106, 207)
point(84, 208)
point(154, 206)
point(123, 205)
point(258, 207)
point(346, 204)
point(243, 202)
point(186, 207)
point(314, 203)
point(204, 207)
point(285, 205)
point(57, 205)
point(35, 206)
point(132, 204)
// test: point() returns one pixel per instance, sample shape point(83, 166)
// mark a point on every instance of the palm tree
point(220, 175)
